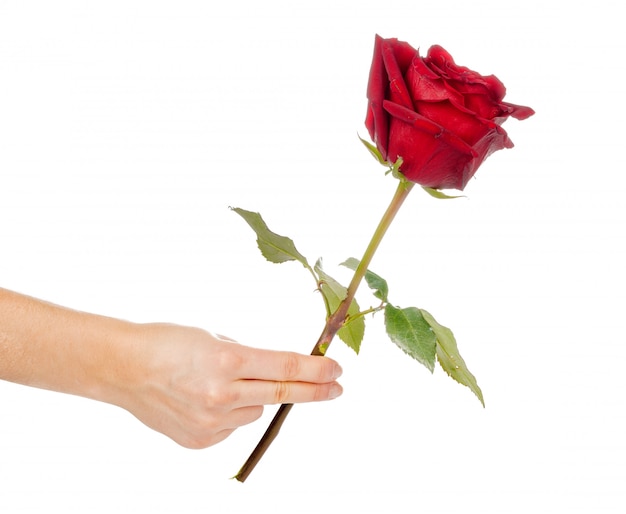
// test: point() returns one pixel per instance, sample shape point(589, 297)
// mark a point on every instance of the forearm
point(51, 347)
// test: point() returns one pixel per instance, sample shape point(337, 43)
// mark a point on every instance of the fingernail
point(335, 391)
point(337, 371)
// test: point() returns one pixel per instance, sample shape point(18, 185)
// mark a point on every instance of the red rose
point(442, 119)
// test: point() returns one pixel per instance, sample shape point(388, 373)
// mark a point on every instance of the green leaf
point(436, 193)
point(374, 151)
point(352, 332)
point(374, 281)
point(408, 329)
point(275, 248)
point(449, 357)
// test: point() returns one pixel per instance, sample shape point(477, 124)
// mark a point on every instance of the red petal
point(391, 49)
point(377, 120)
point(426, 85)
point(425, 124)
point(433, 156)
point(519, 112)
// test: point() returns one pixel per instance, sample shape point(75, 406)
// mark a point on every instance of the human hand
point(197, 388)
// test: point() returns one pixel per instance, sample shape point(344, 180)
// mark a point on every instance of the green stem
point(336, 321)
point(333, 323)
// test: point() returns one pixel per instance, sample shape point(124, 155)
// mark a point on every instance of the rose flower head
point(442, 119)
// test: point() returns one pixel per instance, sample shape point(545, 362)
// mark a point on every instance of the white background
point(127, 128)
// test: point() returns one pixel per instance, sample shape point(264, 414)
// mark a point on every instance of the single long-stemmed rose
point(433, 123)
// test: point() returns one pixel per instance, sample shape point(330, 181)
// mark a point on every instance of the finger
point(267, 392)
point(217, 438)
point(241, 416)
point(257, 364)
point(208, 434)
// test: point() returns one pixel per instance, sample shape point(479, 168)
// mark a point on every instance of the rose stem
point(333, 323)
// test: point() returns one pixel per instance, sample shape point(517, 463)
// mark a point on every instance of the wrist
point(113, 369)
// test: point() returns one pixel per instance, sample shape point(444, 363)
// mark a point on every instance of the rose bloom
point(442, 119)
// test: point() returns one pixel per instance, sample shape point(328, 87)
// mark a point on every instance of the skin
point(193, 386)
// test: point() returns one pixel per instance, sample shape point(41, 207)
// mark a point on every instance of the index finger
point(281, 366)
